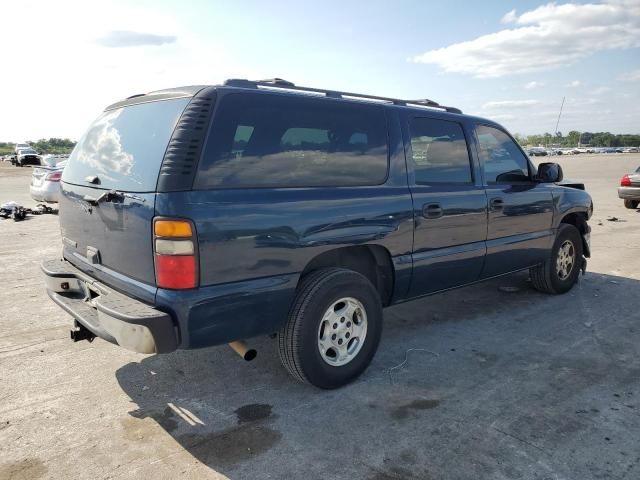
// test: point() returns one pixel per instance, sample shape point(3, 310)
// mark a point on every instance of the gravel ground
point(472, 384)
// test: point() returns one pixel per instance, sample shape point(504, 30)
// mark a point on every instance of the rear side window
point(260, 140)
point(439, 152)
point(124, 147)
point(501, 159)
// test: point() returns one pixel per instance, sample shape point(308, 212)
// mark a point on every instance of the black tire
point(631, 204)
point(298, 339)
point(545, 277)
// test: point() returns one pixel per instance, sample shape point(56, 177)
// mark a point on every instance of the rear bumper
point(107, 313)
point(629, 193)
point(49, 192)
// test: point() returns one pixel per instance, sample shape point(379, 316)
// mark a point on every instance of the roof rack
point(280, 84)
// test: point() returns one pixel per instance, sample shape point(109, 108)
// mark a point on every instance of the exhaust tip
point(243, 350)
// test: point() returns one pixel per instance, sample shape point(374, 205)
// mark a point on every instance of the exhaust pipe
point(243, 350)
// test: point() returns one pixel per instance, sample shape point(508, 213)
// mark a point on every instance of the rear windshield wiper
point(111, 196)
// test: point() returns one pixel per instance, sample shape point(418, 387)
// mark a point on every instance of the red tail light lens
point(54, 177)
point(625, 182)
point(175, 253)
point(176, 271)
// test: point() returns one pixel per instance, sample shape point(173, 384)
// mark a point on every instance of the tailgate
point(121, 152)
point(111, 236)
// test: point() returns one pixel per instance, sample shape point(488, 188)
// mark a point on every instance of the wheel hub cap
point(565, 260)
point(342, 331)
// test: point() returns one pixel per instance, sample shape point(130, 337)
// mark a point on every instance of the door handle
point(496, 204)
point(432, 210)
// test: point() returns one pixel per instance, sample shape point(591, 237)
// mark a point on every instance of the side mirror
point(549, 173)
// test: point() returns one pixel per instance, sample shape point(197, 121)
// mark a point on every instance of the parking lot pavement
point(472, 384)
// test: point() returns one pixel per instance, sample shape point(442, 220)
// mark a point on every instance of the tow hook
point(80, 332)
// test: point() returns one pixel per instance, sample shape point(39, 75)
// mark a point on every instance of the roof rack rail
point(279, 83)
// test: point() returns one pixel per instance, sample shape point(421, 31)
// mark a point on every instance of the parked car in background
point(27, 156)
point(251, 208)
point(537, 152)
point(45, 183)
point(629, 189)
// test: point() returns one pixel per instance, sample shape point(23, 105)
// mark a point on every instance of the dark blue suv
point(205, 215)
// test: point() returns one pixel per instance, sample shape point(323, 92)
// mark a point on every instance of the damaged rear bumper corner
point(109, 314)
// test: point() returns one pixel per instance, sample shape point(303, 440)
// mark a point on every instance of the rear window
point(261, 140)
point(125, 147)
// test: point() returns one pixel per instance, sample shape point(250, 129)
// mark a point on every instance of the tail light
point(174, 245)
point(54, 176)
point(626, 181)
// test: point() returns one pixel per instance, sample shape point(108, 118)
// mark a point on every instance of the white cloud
point(98, 76)
point(547, 37)
point(533, 84)
point(633, 76)
point(574, 84)
point(509, 104)
point(509, 17)
point(499, 116)
point(600, 90)
point(127, 38)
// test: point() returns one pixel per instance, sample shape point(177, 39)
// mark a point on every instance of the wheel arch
point(372, 261)
point(579, 220)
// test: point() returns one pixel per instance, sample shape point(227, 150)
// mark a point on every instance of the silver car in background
point(629, 189)
point(45, 183)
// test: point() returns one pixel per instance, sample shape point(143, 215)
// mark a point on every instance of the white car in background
point(45, 183)
point(27, 156)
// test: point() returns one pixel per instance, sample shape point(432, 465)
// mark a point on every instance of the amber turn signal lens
point(172, 228)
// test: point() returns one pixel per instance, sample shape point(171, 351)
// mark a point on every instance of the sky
point(513, 62)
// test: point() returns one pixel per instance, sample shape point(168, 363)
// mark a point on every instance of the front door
point(450, 207)
point(520, 231)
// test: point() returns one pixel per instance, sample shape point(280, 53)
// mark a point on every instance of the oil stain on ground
point(28, 469)
point(253, 412)
point(237, 444)
point(403, 411)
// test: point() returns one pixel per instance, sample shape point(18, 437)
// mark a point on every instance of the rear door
point(122, 151)
point(520, 210)
point(450, 206)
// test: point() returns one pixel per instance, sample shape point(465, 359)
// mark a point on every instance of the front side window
point(502, 160)
point(439, 152)
point(260, 140)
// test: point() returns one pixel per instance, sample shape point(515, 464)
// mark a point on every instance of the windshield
point(124, 148)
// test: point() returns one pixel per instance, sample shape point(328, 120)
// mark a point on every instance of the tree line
point(572, 139)
point(575, 138)
point(42, 146)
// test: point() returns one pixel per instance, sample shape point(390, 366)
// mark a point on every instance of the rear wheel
point(333, 328)
point(632, 204)
point(560, 271)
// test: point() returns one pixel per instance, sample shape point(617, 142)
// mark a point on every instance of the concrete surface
point(478, 383)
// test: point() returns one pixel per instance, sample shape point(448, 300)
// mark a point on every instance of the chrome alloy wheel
point(565, 260)
point(342, 331)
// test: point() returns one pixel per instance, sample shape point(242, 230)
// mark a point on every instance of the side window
point(439, 152)
point(502, 160)
point(265, 140)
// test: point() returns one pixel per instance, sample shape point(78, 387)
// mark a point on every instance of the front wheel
point(631, 204)
point(333, 329)
point(560, 271)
